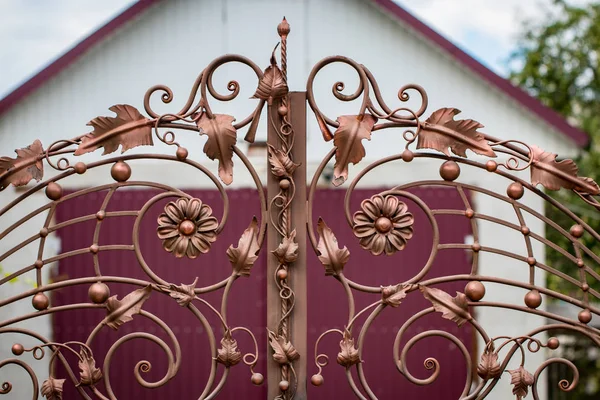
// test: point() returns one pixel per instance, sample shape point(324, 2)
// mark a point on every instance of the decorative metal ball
point(181, 153)
point(407, 156)
point(515, 190)
point(284, 184)
point(580, 263)
point(553, 343)
point(476, 247)
point(533, 299)
point(475, 290)
point(17, 349)
point(584, 316)
point(80, 168)
point(98, 293)
point(469, 213)
point(585, 287)
point(284, 385)
point(283, 29)
point(383, 225)
point(317, 379)
point(282, 110)
point(38, 264)
point(120, 171)
point(44, 232)
point(100, 215)
point(491, 165)
point(54, 191)
point(257, 378)
point(531, 261)
point(449, 170)
point(577, 231)
point(282, 274)
point(94, 249)
point(187, 227)
point(525, 230)
point(40, 301)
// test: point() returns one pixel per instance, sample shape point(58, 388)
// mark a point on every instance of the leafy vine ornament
point(347, 140)
point(128, 129)
point(382, 225)
point(281, 164)
point(52, 388)
point(89, 374)
point(122, 311)
point(287, 251)
point(555, 175)
point(394, 294)
point(284, 352)
point(27, 166)
point(221, 139)
point(183, 294)
point(489, 367)
point(442, 132)
point(331, 256)
point(273, 84)
point(242, 258)
point(521, 380)
point(348, 355)
point(228, 354)
point(455, 309)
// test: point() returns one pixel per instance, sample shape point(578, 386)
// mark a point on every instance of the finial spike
point(283, 29)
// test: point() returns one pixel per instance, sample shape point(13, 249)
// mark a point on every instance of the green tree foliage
point(558, 62)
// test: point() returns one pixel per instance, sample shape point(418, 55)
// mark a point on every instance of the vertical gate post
point(296, 273)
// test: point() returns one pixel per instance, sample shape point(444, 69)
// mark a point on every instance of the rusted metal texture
point(384, 224)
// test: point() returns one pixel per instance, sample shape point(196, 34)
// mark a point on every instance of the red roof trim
point(546, 113)
point(534, 105)
point(72, 55)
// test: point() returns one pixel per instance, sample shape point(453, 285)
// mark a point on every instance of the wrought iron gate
point(383, 225)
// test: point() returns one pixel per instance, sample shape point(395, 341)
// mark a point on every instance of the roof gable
point(532, 104)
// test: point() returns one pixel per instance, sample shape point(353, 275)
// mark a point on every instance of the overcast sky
point(35, 32)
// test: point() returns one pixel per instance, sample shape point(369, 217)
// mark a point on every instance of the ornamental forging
point(383, 225)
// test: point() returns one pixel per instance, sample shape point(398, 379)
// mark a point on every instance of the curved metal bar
point(232, 86)
point(7, 386)
point(338, 87)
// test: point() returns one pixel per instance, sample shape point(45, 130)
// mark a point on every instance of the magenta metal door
point(325, 298)
point(327, 303)
point(247, 300)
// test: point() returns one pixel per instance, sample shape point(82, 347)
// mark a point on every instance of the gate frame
point(382, 225)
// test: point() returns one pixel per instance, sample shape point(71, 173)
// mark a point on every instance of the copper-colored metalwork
point(443, 133)
point(383, 224)
point(187, 227)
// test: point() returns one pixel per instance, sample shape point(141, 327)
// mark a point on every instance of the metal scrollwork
point(186, 227)
point(384, 225)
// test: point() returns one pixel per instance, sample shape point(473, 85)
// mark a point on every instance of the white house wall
point(173, 41)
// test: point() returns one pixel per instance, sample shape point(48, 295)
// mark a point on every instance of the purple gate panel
point(327, 303)
point(246, 305)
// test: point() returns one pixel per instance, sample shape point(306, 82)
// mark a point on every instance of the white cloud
point(497, 23)
point(36, 32)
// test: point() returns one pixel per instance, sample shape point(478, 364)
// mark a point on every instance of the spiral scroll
point(187, 228)
point(383, 225)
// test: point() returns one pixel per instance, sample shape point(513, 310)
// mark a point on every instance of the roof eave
point(576, 135)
